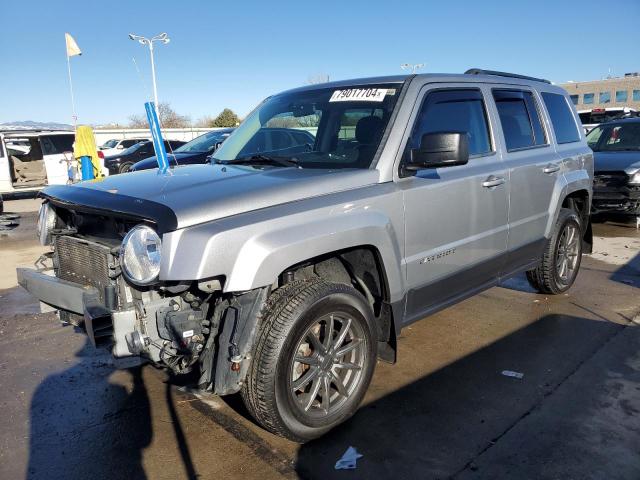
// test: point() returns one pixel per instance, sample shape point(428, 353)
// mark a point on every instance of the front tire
point(561, 258)
point(313, 361)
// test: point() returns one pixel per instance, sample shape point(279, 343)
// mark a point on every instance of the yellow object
point(86, 146)
point(72, 46)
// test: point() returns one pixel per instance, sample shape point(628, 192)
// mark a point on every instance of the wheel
point(313, 360)
point(561, 258)
point(125, 167)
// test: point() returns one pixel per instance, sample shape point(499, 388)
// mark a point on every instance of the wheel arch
point(580, 202)
point(363, 268)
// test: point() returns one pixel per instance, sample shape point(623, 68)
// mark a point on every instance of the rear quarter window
point(562, 118)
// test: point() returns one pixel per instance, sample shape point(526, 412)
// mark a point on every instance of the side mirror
point(119, 146)
point(439, 149)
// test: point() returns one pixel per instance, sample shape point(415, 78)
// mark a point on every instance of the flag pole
point(73, 103)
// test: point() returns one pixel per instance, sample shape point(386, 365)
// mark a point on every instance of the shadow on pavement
point(629, 273)
point(93, 436)
point(9, 221)
point(436, 426)
point(617, 219)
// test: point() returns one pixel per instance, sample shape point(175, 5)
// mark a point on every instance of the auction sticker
point(359, 95)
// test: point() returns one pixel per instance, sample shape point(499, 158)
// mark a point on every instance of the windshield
point(319, 128)
point(204, 143)
point(611, 138)
point(110, 143)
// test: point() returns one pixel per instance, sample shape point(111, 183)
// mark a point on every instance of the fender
point(264, 257)
point(251, 250)
point(569, 182)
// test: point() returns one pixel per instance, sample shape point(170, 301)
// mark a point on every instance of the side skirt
point(431, 298)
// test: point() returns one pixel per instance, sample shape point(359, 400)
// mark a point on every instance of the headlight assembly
point(140, 255)
point(46, 223)
point(635, 178)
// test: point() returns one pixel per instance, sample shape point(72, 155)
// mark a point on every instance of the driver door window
point(456, 227)
point(454, 111)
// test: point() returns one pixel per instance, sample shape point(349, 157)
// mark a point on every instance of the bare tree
point(138, 121)
point(169, 118)
point(206, 121)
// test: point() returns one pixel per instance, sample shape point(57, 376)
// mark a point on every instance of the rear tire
point(125, 167)
point(561, 257)
point(300, 383)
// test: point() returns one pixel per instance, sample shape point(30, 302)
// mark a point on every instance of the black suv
point(616, 179)
point(123, 162)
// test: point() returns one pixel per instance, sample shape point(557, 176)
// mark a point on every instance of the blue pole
point(158, 142)
point(86, 167)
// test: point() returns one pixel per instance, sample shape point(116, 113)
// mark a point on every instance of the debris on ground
point(348, 460)
point(511, 373)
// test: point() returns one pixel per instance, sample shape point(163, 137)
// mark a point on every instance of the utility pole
point(164, 38)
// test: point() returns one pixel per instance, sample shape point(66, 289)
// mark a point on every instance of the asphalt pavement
point(445, 410)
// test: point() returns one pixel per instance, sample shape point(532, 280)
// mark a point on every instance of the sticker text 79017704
point(359, 95)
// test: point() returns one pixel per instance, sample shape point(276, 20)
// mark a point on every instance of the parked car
point(32, 159)
point(195, 151)
point(116, 146)
point(594, 117)
point(616, 181)
point(285, 274)
point(123, 162)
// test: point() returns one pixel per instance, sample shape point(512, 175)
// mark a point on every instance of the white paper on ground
point(348, 460)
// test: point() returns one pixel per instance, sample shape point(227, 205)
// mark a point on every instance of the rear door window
point(561, 118)
point(520, 120)
point(456, 110)
point(55, 144)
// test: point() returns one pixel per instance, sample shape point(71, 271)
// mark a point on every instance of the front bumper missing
point(616, 199)
point(104, 327)
point(54, 291)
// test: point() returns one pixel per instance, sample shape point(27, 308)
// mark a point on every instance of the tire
point(550, 277)
point(125, 167)
point(291, 316)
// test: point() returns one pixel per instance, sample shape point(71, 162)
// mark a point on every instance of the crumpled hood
point(201, 193)
point(616, 161)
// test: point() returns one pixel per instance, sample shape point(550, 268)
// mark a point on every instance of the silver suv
point(284, 270)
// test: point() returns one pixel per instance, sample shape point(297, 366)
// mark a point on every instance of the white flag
point(72, 46)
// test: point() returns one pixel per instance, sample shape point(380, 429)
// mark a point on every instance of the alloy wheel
point(567, 253)
point(327, 365)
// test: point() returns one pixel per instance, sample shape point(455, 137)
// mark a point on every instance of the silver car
point(284, 269)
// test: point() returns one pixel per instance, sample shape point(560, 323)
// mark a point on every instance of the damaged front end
point(106, 283)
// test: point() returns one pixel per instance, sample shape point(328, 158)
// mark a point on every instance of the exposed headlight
point(46, 223)
point(635, 178)
point(140, 255)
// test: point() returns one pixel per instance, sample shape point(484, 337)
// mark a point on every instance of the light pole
point(412, 66)
point(162, 37)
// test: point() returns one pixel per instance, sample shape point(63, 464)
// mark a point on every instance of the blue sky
point(233, 54)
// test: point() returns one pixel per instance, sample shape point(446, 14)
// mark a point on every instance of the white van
point(32, 159)
point(114, 146)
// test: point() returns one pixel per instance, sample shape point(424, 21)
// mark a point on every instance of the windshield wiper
point(259, 158)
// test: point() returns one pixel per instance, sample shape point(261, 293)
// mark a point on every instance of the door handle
point(493, 181)
point(551, 168)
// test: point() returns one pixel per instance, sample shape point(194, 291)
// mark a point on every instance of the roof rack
point(480, 71)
